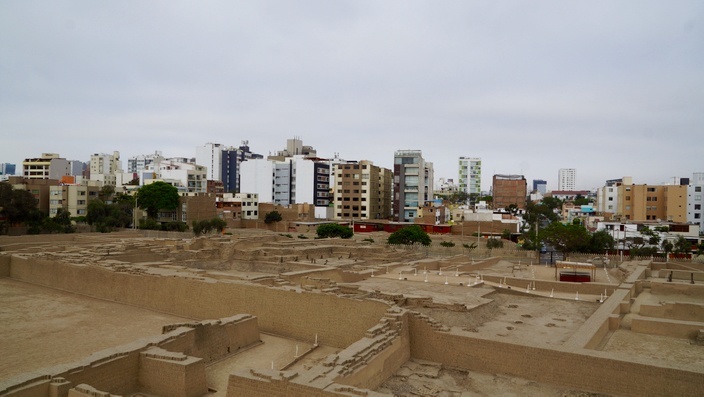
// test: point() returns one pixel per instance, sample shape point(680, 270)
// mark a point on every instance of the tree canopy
point(409, 235)
point(566, 238)
point(157, 196)
point(334, 230)
point(17, 205)
point(273, 216)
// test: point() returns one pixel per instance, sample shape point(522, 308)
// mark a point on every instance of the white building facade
point(695, 201)
point(470, 175)
point(566, 179)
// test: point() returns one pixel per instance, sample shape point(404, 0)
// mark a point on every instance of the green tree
point(650, 235)
point(334, 230)
point(273, 216)
point(667, 246)
point(16, 205)
point(682, 246)
point(157, 196)
point(566, 238)
point(600, 242)
point(506, 234)
point(493, 243)
point(580, 200)
point(512, 209)
point(409, 235)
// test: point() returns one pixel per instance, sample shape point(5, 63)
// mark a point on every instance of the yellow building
point(652, 202)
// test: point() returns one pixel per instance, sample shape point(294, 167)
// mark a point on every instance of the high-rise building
point(509, 189)
point(607, 196)
point(295, 180)
point(566, 179)
point(695, 196)
point(223, 163)
point(7, 169)
point(540, 186)
point(413, 184)
point(362, 191)
point(470, 176)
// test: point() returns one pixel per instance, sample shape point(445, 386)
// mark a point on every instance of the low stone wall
point(665, 288)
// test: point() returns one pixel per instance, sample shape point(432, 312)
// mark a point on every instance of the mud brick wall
point(383, 365)
point(5, 265)
point(665, 288)
point(213, 340)
point(584, 370)
point(251, 383)
point(117, 374)
point(171, 374)
point(337, 321)
point(672, 328)
point(674, 310)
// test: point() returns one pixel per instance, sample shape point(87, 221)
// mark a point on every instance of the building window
point(697, 189)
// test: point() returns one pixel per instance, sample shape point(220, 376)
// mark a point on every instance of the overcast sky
point(610, 88)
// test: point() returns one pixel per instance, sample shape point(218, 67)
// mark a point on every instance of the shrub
point(494, 243)
point(334, 230)
point(273, 216)
point(447, 244)
point(410, 235)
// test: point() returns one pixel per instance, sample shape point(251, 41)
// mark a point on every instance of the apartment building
point(509, 189)
point(71, 198)
point(470, 176)
point(48, 166)
point(566, 179)
point(413, 184)
point(105, 167)
point(139, 163)
point(186, 176)
point(238, 206)
point(223, 163)
point(294, 180)
point(695, 193)
point(607, 196)
point(362, 191)
point(652, 202)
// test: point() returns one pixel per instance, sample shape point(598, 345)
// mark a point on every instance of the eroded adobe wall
point(337, 321)
point(582, 369)
point(158, 364)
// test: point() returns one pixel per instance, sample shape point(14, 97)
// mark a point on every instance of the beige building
point(652, 202)
point(71, 198)
point(48, 166)
point(362, 191)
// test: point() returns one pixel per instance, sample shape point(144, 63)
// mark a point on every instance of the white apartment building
point(695, 196)
point(104, 168)
point(187, 177)
point(566, 179)
point(139, 163)
point(607, 197)
point(295, 180)
point(210, 156)
point(470, 175)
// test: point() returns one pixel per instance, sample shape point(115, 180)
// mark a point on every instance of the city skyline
point(609, 89)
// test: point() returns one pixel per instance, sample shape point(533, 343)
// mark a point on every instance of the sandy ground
point(422, 378)
point(42, 327)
